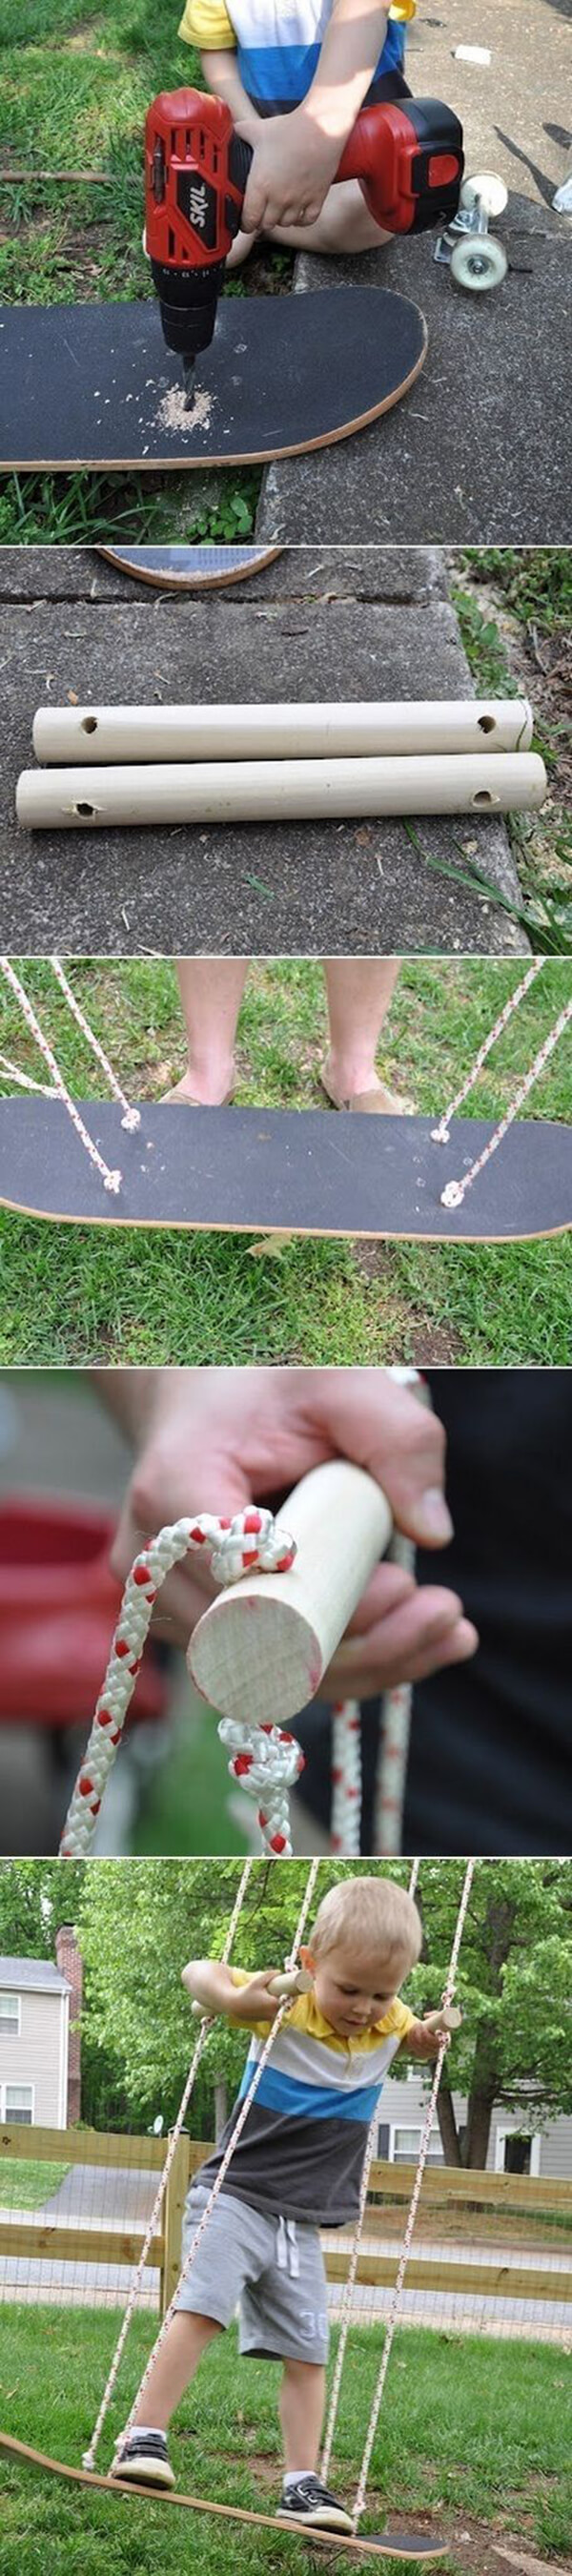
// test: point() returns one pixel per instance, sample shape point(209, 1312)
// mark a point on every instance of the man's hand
point(293, 168)
point(218, 1439)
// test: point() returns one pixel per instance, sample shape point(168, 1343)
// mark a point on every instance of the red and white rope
point(265, 1759)
point(25, 1079)
point(111, 1180)
point(456, 1191)
point(246, 2105)
point(397, 1704)
point(207, 2024)
point(440, 1134)
point(132, 1117)
point(345, 1820)
point(350, 2281)
point(448, 1992)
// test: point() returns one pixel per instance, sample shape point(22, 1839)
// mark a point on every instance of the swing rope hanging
point(349, 2284)
point(448, 1993)
point(454, 1193)
point(207, 2024)
point(58, 1088)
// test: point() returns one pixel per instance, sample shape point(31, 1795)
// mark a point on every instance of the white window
point(404, 2146)
point(10, 2013)
point(19, 2102)
point(517, 2151)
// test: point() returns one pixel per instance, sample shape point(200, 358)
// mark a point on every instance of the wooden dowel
point(263, 1646)
point(278, 791)
point(96, 735)
point(291, 1981)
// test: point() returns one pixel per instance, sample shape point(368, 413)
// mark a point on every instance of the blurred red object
point(59, 1604)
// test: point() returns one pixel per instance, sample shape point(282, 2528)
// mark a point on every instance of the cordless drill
point(407, 155)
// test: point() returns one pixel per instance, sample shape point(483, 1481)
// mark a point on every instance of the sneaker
point(144, 2458)
point(311, 2502)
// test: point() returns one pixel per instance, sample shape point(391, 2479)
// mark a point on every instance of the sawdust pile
point(173, 414)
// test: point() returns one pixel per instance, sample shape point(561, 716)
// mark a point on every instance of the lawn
point(474, 2434)
point(28, 2184)
point(80, 1295)
point(515, 618)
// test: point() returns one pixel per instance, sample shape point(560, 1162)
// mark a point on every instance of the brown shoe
point(185, 1100)
point(379, 1102)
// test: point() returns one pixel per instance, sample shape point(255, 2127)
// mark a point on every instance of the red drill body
point(407, 155)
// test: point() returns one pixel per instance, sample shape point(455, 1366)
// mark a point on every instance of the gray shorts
point(272, 2272)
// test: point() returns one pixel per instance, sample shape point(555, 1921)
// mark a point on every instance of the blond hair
point(372, 1915)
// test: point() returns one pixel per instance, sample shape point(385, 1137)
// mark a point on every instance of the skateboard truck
point(476, 260)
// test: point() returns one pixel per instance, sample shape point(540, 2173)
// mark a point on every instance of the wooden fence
point(445, 2190)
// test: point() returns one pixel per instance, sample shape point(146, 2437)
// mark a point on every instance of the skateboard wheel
point(488, 191)
point(479, 264)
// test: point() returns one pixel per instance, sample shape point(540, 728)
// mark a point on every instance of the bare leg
point(359, 991)
point(302, 2398)
point(344, 224)
point(211, 990)
point(175, 2366)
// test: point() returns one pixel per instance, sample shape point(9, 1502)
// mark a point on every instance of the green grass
point(517, 602)
point(77, 1295)
point(468, 2428)
point(26, 2184)
point(75, 86)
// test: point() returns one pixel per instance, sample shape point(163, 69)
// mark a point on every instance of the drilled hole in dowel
point(486, 724)
point(483, 796)
point(85, 811)
point(89, 724)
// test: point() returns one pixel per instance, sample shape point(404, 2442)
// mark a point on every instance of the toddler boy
point(297, 2167)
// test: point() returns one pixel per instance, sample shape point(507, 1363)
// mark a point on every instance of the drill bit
point(189, 382)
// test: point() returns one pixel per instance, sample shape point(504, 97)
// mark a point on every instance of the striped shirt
point(303, 2143)
point(278, 43)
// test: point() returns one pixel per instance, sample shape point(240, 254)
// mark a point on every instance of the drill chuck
point(188, 300)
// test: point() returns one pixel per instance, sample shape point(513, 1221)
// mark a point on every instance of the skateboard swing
point(386, 1148)
point(387, 2543)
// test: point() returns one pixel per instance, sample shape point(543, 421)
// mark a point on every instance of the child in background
point(297, 2167)
point(308, 66)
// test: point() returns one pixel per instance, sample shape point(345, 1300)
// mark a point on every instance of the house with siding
point(40, 2002)
point(516, 2145)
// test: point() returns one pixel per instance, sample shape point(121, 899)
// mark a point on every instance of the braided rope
point(346, 1778)
point(207, 2024)
point(25, 1079)
point(218, 2184)
point(440, 1134)
point(132, 1116)
point(397, 1704)
point(111, 1180)
point(448, 1992)
point(265, 1759)
point(350, 2281)
point(456, 1191)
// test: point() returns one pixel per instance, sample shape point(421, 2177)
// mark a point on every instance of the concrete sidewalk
point(478, 452)
point(318, 623)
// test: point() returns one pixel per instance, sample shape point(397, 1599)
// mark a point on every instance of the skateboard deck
point(93, 384)
point(285, 1171)
point(190, 567)
point(408, 2544)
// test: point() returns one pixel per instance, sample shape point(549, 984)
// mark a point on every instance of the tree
point(515, 1987)
point(36, 1896)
